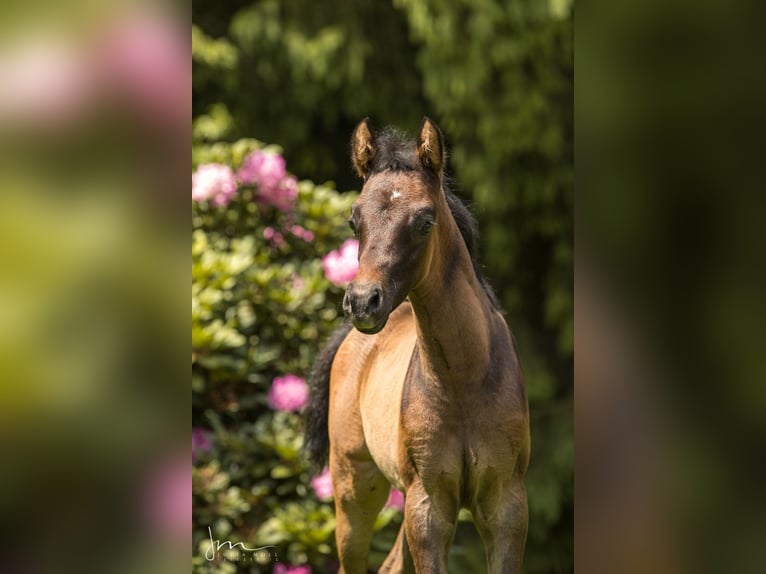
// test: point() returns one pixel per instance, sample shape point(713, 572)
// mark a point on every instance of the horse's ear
point(431, 146)
point(363, 147)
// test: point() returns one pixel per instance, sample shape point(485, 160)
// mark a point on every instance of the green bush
point(260, 308)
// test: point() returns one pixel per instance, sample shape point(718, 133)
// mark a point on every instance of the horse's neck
point(453, 316)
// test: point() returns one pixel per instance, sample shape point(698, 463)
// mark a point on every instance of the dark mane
point(395, 151)
point(466, 223)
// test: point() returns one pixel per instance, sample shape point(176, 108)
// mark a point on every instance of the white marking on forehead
point(396, 193)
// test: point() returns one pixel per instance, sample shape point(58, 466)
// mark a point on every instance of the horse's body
point(425, 395)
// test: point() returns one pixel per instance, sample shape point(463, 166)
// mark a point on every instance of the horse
point(423, 388)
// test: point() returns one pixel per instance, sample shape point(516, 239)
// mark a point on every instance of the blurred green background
point(498, 79)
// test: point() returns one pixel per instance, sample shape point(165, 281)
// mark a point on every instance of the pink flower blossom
point(273, 236)
point(302, 233)
point(214, 182)
point(263, 168)
point(322, 485)
point(139, 58)
point(143, 58)
point(167, 495)
point(200, 441)
point(45, 82)
point(395, 499)
point(282, 197)
point(286, 569)
point(267, 171)
point(289, 393)
point(340, 266)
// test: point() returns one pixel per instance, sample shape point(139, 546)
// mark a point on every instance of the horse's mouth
point(370, 328)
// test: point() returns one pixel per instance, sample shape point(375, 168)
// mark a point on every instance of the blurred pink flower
point(302, 233)
point(282, 196)
point(340, 266)
point(145, 60)
point(168, 497)
point(286, 569)
point(267, 171)
point(214, 182)
point(46, 81)
point(200, 441)
point(274, 237)
point(289, 393)
point(322, 485)
point(263, 168)
point(139, 58)
point(395, 499)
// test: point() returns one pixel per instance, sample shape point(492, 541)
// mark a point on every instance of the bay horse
point(425, 392)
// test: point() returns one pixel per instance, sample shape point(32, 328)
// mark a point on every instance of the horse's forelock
point(394, 151)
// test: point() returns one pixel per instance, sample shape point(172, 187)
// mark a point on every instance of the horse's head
point(398, 210)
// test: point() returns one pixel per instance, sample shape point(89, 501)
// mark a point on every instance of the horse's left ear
point(431, 147)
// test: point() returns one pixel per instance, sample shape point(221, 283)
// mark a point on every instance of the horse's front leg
point(501, 518)
point(429, 524)
point(360, 492)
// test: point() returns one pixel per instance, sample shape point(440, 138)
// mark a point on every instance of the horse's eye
point(425, 227)
point(352, 225)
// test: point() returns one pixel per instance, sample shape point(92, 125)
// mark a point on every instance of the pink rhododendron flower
point(267, 171)
point(168, 493)
point(214, 182)
point(282, 197)
point(395, 499)
point(263, 168)
point(144, 59)
point(286, 569)
point(200, 441)
point(52, 79)
point(322, 485)
point(340, 266)
point(289, 393)
point(273, 236)
point(302, 233)
point(45, 81)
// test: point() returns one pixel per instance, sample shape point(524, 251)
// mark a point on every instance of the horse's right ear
point(431, 147)
point(363, 148)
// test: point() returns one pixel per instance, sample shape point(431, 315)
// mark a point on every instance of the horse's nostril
point(375, 300)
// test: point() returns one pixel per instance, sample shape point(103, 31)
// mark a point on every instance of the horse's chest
point(461, 438)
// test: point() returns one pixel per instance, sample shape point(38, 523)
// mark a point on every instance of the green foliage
point(259, 310)
point(498, 78)
point(307, 72)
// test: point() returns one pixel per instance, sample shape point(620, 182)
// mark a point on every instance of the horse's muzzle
point(365, 305)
